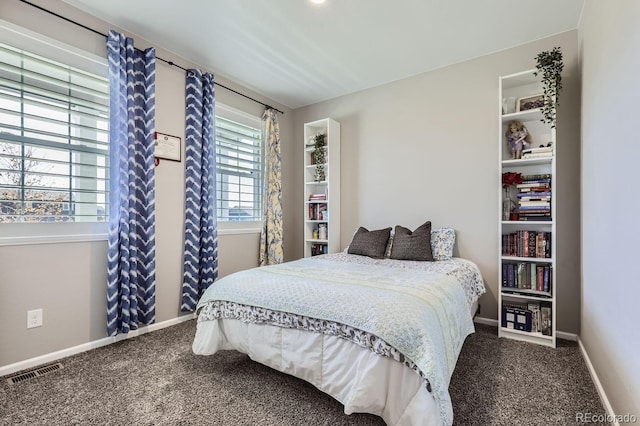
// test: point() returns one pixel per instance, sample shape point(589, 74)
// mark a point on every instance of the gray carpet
point(155, 379)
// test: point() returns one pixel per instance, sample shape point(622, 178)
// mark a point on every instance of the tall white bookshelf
point(321, 190)
point(518, 286)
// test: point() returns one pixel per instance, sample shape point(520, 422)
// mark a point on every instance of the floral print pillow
point(442, 241)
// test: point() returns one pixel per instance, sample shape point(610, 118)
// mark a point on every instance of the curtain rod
point(157, 57)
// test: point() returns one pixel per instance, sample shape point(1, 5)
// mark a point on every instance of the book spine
point(510, 275)
point(540, 277)
point(547, 279)
point(534, 278)
point(532, 244)
point(505, 274)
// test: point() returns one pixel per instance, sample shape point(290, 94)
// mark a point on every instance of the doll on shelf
point(518, 138)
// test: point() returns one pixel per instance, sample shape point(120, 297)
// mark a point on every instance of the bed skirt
point(358, 378)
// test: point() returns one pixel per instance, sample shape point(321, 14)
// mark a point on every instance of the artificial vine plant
point(549, 64)
point(319, 155)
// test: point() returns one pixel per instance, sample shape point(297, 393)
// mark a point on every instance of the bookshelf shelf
point(526, 222)
point(529, 225)
point(527, 162)
point(313, 166)
point(528, 259)
point(311, 240)
point(519, 293)
point(321, 217)
point(529, 115)
point(538, 338)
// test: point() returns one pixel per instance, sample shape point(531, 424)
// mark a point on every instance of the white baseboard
point(54, 356)
point(567, 336)
point(560, 334)
point(486, 321)
point(596, 381)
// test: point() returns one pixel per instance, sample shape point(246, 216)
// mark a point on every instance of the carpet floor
point(155, 379)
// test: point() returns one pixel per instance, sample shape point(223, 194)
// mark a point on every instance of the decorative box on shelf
point(516, 319)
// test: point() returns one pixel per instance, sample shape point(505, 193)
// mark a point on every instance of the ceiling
point(298, 53)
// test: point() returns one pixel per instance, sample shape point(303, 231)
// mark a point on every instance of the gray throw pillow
point(370, 243)
point(414, 245)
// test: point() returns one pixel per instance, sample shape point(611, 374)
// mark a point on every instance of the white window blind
point(54, 140)
point(239, 156)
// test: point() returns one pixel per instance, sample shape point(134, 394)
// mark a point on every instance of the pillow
point(369, 243)
point(442, 241)
point(387, 251)
point(414, 245)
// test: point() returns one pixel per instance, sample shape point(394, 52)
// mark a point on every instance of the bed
point(381, 336)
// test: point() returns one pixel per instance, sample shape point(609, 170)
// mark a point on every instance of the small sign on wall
point(168, 147)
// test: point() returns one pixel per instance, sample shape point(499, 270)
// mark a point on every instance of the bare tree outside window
point(27, 205)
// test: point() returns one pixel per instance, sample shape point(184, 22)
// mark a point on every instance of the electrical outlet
point(34, 318)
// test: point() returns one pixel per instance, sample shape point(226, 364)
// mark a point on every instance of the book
point(534, 183)
point(538, 155)
point(536, 208)
point(521, 279)
point(505, 273)
point(544, 203)
point(534, 277)
point(537, 176)
point(516, 318)
point(534, 218)
point(537, 150)
point(545, 314)
point(546, 283)
point(536, 325)
point(539, 278)
point(531, 198)
point(534, 194)
point(510, 275)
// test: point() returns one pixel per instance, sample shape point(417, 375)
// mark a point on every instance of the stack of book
point(527, 277)
point(527, 244)
point(545, 151)
point(534, 197)
point(317, 197)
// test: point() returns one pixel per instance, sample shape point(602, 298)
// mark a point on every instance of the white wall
point(69, 280)
point(610, 48)
point(425, 148)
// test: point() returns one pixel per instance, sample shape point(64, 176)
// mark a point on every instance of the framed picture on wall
point(168, 147)
point(530, 102)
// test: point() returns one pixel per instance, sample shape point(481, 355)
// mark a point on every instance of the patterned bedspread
point(417, 316)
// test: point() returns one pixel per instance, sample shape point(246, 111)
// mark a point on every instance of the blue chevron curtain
point(200, 225)
point(131, 272)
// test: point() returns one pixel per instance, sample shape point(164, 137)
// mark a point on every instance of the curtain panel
point(200, 232)
point(131, 254)
point(271, 248)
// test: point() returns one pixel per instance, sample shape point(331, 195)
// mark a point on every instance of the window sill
point(51, 239)
point(19, 234)
point(237, 231)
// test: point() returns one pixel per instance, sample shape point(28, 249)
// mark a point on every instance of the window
point(54, 140)
point(240, 158)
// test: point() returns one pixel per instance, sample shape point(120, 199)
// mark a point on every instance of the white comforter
point(336, 300)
